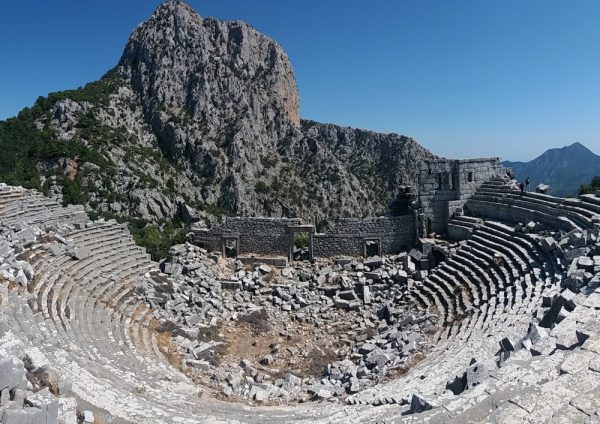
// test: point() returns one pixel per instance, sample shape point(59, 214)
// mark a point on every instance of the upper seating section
point(19, 206)
point(496, 199)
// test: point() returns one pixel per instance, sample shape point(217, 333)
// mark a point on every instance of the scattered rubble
point(296, 308)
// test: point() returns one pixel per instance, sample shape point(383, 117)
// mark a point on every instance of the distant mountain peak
point(577, 146)
point(564, 168)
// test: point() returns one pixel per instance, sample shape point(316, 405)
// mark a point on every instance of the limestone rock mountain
point(201, 117)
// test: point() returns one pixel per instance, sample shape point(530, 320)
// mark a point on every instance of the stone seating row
point(496, 265)
point(502, 202)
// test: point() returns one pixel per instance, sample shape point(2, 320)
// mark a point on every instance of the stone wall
point(269, 236)
point(445, 185)
point(273, 236)
point(348, 236)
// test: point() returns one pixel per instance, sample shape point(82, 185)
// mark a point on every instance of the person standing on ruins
point(522, 186)
point(527, 184)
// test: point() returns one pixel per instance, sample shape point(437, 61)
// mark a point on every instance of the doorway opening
point(230, 247)
point(372, 247)
point(301, 242)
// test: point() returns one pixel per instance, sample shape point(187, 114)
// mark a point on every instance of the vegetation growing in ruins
point(592, 187)
point(157, 238)
point(301, 240)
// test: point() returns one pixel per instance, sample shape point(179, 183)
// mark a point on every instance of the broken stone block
point(537, 333)
point(80, 253)
point(506, 345)
point(4, 396)
point(267, 360)
point(67, 410)
point(231, 285)
point(366, 348)
point(409, 348)
point(551, 316)
point(375, 276)
point(12, 373)
point(55, 249)
point(418, 404)
point(24, 416)
point(378, 359)
point(366, 295)
point(324, 394)
point(567, 337)
point(577, 362)
point(264, 269)
point(347, 295)
point(548, 244)
point(198, 364)
point(457, 384)
point(475, 375)
point(401, 276)
point(544, 347)
point(260, 395)
point(45, 401)
point(88, 417)
point(21, 279)
point(586, 263)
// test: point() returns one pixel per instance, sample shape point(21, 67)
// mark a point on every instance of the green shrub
point(73, 192)
point(590, 188)
point(157, 238)
point(261, 187)
point(301, 240)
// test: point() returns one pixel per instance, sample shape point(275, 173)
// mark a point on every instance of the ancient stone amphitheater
point(513, 334)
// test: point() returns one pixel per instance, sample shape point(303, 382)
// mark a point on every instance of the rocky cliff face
point(202, 116)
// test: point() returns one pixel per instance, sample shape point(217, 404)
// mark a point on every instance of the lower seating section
point(496, 265)
point(494, 283)
point(85, 315)
point(86, 312)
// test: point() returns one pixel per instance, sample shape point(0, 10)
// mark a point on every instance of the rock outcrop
point(205, 113)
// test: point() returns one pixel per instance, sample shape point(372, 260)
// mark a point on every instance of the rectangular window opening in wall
point(372, 247)
point(439, 182)
point(230, 247)
point(470, 177)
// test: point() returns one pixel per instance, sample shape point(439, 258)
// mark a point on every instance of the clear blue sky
point(506, 78)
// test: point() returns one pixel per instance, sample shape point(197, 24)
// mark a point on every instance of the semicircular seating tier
point(85, 316)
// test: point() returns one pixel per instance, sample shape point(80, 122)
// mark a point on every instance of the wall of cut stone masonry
point(268, 236)
point(347, 237)
point(272, 236)
point(445, 185)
